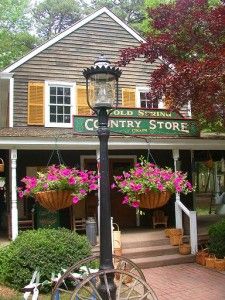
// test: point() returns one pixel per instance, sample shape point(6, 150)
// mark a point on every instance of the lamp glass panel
point(102, 90)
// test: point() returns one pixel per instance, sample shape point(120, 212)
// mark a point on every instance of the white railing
point(179, 207)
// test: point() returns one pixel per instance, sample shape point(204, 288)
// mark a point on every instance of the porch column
point(14, 209)
point(178, 211)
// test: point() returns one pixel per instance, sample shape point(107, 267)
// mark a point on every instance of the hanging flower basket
point(59, 187)
point(154, 199)
point(54, 200)
point(148, 186)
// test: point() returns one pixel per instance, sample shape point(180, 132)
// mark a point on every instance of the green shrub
point(47, 250)
point(217, 239)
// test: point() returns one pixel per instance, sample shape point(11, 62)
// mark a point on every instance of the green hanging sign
point(140, 126)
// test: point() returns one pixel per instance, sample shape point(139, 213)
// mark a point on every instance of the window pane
point(52, 109)
point(52, 118)
point(67, 91)
point(52, 99)
point(52, 90)
point(60, 110)
point(143, 104)
point(67, 110)
point(67, 119)
point(60, 99)
point(60, 91)
point(67, 100)
point(59, 118)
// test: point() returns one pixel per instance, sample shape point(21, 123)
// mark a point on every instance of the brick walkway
point(186, 282)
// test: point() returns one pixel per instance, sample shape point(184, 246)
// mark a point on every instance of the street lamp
point(102, 97)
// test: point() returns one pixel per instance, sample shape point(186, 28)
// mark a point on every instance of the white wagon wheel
point(128, 286)
point(69, 280)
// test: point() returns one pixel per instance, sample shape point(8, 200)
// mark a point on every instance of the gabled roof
point(70, 30)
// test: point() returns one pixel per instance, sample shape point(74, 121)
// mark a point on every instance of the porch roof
point(47, 138)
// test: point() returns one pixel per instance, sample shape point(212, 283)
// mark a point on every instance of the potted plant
point(59, 187)
point(148, 186)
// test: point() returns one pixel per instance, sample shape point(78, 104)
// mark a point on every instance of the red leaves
point(189, 35)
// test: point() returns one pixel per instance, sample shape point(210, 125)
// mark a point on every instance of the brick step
point(163, 260)
point(149, 251)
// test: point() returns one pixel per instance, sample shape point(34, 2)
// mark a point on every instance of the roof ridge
point(68, 31)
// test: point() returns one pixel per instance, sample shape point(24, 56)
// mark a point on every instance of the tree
point(130, 11)
point(14, 25)
point(14, 15)
point(14, 45)
point(188, 37)
point(54, 16)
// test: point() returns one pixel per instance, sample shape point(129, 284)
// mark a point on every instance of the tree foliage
point(130, 11)
point(54, 16)
point(14, 14)
point(14, 26)
point(188, 37)
point(14, 45)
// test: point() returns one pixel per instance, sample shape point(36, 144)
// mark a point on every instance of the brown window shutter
point(128, 97)
point(35, 103)
point(82, 106)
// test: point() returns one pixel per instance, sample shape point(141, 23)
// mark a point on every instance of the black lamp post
point(102, 97)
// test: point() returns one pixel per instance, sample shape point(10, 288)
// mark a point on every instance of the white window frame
point(72, 86)
point(144, 89)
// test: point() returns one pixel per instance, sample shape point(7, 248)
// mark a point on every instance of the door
point(123, 215)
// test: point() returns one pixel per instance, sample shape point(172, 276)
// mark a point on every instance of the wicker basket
point(154, 199)
point(219, 264)
point(184, 248)
point(2, 166)
point(54, 200)
point(175, 240)
point(175, 231)
point(167, 232)
point(210, 261)
point(201, 256)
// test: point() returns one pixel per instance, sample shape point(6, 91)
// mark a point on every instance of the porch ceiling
point(47, 138)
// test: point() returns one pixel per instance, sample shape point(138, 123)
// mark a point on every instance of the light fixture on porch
point(102, 96)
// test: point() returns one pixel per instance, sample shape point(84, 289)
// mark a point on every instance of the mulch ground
point(7, 293)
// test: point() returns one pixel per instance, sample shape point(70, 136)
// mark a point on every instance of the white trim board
point(70, 30)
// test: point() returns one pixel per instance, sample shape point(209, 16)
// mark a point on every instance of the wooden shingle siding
point(66, 59)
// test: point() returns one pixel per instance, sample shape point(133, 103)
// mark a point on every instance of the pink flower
point(65, 172)
point(51, 177)
point(83, 192)
point(113, 186)
point(135, 204)
point(126, 175)
point(75, 199)
point(93, 187)
point(72, 180)
point(125, 200)
point(135, 187)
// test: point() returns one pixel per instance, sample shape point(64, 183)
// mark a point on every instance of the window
point(60, 99)
point(144, 100)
